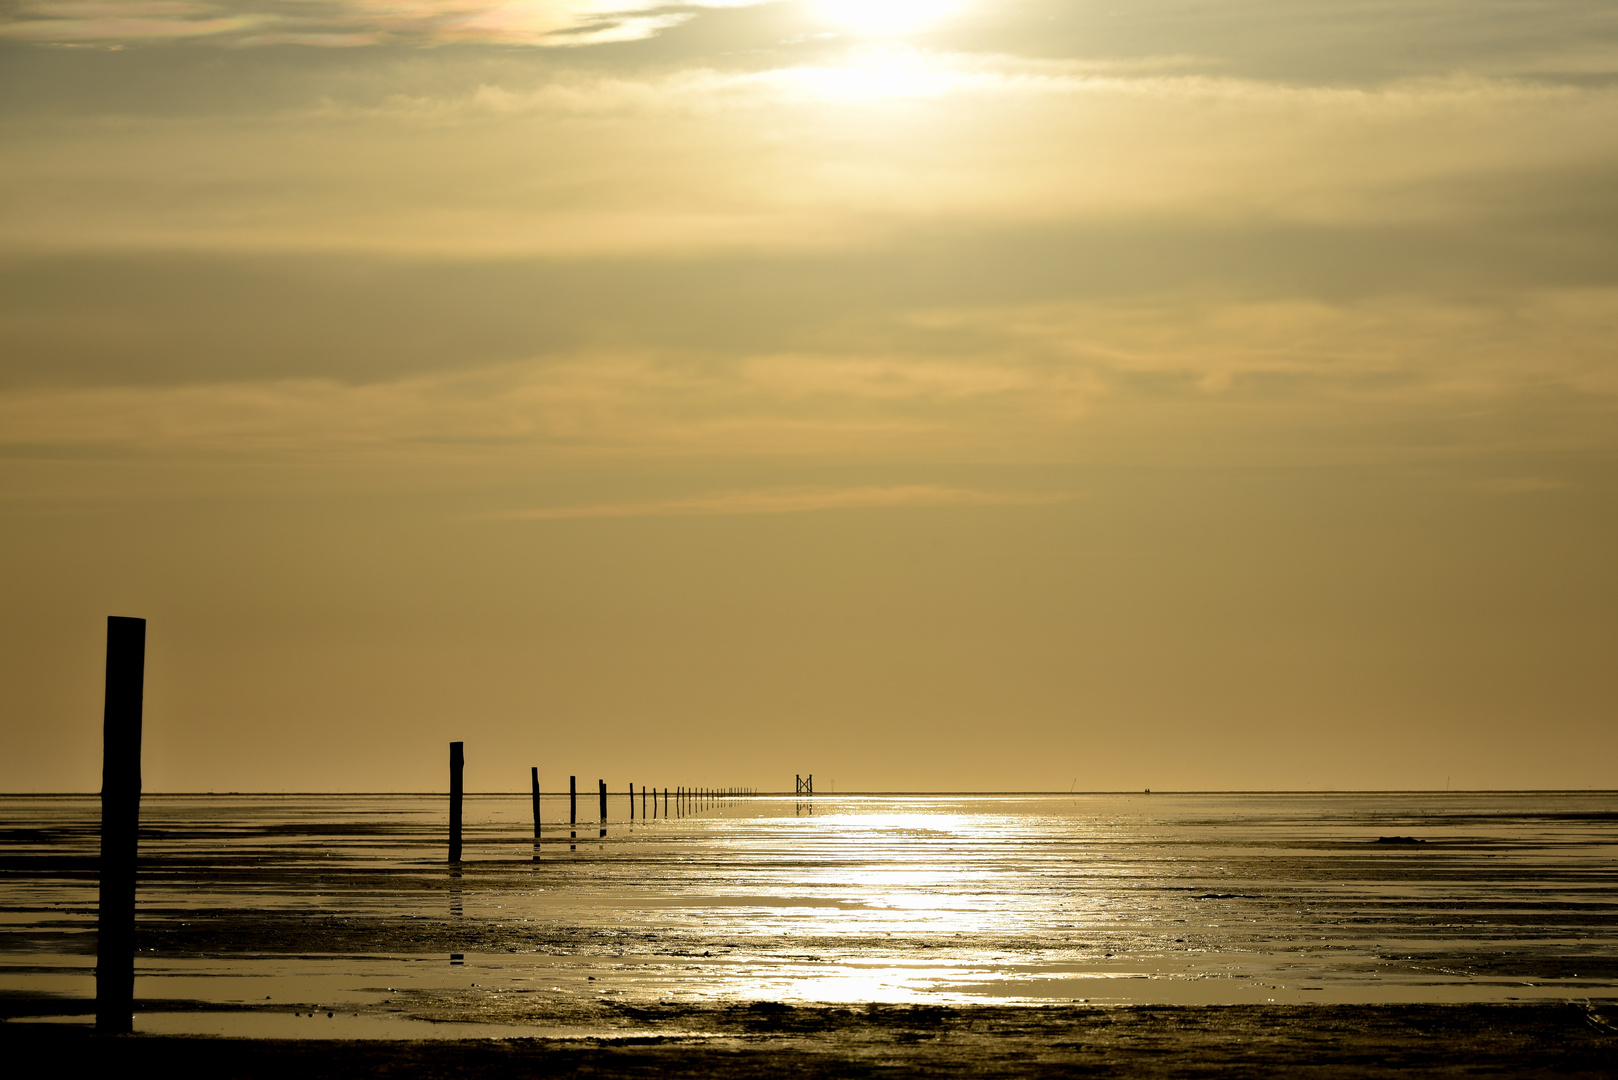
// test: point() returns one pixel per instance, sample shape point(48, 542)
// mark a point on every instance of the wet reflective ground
point(338, 916)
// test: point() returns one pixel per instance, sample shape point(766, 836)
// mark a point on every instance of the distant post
point(456, 761)
point(120, 823)
point(533, 773)
point(573, 800)
point(631, 802)
point(601, 790)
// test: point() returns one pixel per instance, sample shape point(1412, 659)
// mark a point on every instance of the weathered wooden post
point(456, 761)
point(533, 773)
point(120, 823)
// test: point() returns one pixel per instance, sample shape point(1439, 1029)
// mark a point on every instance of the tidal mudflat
point(857, 928)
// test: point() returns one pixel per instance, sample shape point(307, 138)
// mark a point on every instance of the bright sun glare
point(885, 16)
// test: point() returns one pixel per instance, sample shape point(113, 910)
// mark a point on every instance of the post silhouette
point(456, 761)
point(120, 823)
point(631, 802)
point(601, 790)
point(533, 773)
point(573, 800)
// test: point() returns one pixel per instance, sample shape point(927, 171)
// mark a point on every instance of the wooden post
point(631, 802)
point(456, 761)
point(533, 773)
point(573, 800)
point(120, 823)
point(601, 788)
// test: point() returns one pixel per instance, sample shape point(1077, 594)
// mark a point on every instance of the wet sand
point(1169, 935)
point(763, 1039)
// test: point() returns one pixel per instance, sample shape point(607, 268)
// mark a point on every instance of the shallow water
point(262, 914)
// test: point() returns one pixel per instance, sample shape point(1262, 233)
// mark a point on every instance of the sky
point(923, 394)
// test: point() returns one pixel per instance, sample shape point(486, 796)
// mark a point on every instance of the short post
point(533, 774)
point(456, 761)
point(120, 823)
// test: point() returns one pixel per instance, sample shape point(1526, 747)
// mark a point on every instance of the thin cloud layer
point(346, 23)
point(790, 501)
point(796, 159)
point(1043, 384)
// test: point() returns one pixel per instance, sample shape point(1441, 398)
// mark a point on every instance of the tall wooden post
point(573, 800)
point(533, 773)
point(456, 761)
point(120, 823)
point(631, 802)
point(601, 790)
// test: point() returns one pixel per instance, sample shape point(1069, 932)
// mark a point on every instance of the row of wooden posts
point(120, 818)
point(677, 801)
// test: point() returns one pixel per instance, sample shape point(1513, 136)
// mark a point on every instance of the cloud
point(1164, 380)
point(544, 23)
point(1517, 485)
point(836, 155)
point(790, 501)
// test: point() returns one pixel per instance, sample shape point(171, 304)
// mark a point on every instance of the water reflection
point(847, 898)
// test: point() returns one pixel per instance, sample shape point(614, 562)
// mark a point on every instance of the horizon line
point(895, 792)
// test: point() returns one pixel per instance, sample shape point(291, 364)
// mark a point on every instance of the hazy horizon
point(931, 394)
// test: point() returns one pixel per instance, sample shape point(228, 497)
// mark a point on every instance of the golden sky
point(930, 394)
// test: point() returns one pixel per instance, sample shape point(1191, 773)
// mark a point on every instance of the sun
point(883, 17)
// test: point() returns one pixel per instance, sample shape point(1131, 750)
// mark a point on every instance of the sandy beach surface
point(773, 1040)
